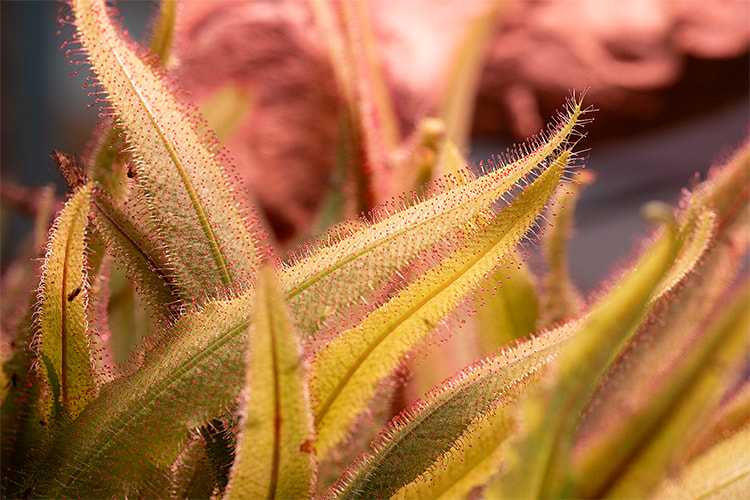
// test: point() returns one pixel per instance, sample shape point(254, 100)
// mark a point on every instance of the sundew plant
point(257, 375)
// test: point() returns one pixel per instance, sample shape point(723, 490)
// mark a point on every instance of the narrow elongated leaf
point(552, 413)
point(124, 442)
point(431, 426)
point(162, 35)
point(508, 308)
point(22, 427)
point(346, 371)
point(351, 263)
point(348, 33)
point(187, 183)
point(479, 454)
point(62, 340)
point(275, 452)
point(463, 73)
point(469, 463)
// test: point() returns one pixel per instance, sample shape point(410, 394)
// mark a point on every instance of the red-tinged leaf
point(561, 299)
point(341, 277)
point(124, 443)
point(186, 187)
point(681, 405)
point(431, 426)
point(694, 288)
point(722, 473)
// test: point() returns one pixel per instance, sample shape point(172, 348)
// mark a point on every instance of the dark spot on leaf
point(74, 294)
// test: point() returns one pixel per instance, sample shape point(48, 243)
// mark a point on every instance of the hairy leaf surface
point(354, 260)
point(186, 182)
point(428, 428)
point(550, 415)
point(346, 371)
point(62, 340)
point(123, 443)
point(681, 405)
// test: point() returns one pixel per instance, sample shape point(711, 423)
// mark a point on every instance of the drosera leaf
point(104, 159)
point(126, 440)
point(136, 250)
point(430, 426)
point(162, 35)
point(625, 417)
point(349, 35)
point(62, 339)
point(345, 373)
point(131, 243)
point(275, 456)
point(549, 415)
point(22, 429)
point(319, 284)
point(462, 75)
point(186, 185)
point(730, 417)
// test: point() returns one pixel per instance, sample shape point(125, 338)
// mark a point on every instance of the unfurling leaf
point(62, 341)
point(275, 457)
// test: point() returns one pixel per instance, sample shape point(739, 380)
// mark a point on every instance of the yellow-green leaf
point(342, 266)
point(463, 73)
point(345, 373)
point(680, 406)
point(62, 340)
point(560, 299)
point(469, 463)
point(508, 307)
point(124, 441)
point(430, 427)
point(274, 457)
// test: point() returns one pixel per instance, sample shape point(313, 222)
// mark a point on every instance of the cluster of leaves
point(263, 377)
